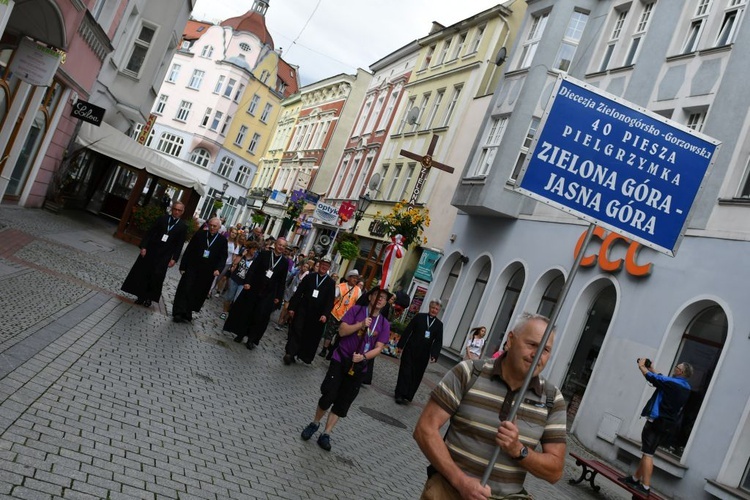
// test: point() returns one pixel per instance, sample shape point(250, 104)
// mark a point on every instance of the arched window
point(505, 309)
point(551, 296)
point(450, 284)
point(471, 307)
point(701, 346)
point(170, 144)
point(200, 157)
point(243, 174)
point(225, 167)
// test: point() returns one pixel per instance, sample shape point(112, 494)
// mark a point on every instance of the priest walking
point(204, 259)
point(160, 249)
point(421, 343)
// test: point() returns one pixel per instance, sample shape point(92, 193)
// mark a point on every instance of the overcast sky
point(338, 36)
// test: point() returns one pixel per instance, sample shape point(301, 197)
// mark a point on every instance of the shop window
point(505, 309)
point(467, 318)
point(551, 296)
point(450, 284)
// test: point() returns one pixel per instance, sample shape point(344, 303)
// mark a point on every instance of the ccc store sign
point(605, 257)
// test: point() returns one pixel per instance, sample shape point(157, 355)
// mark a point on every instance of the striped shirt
point(475, 417)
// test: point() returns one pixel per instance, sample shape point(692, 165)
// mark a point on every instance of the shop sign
point(87, 112)
point(35, 63)
point(606, 258)
point(426, 265)
point(617, 165)
point(326, 213)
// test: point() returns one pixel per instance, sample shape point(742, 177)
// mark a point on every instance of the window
point(434, 109)
point(695, 120)
point(207, 51)
point(451, 106)
point(459, 46)
point(363, 116)
point(570, 41)
point(253, 104)
point(245, 47)
point(394, 181)
point(428, 57)
point(225, 125)
point(196, 79)
point(375, 114)
point(230, 87)
point(160, 104)
point(613, 38)
point(407, 108)
point(140, 49)
point(238, 94)
point(550, 296)
point(266, 112)
point(206, 117)
point(728, 28)
point(477, 39)
point(184, 111)
point(174, 72)
point(405, 195)
point(200, 157)
point(217, 120)
point(392, 100)
point(264, 76)
point(538, 23)
point(444, 52)
point(253, 143)
point(225, 167)
point(491, 142)
point(243, 175)
point(422, 107)
point(96, 11)
point(470, 309)
point(640, 31)
point(170, 144)
point(241, 135)
point(525, 148)
point(219, 83)
point(696, 26)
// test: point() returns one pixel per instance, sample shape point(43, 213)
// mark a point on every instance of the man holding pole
point(478, 397)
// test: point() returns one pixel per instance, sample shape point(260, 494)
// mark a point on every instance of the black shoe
point(138, 302)
point(146, 303)
point(628, 480)
point(250, 345)
point(324, 441)
point(399, 401)
point(311, 429)
point(323, 352)
point(239, 339)
point(329, 355)
point(177, 318)
point(641, 489)
point(288, 359)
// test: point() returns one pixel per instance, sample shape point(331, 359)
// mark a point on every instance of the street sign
point(617, 165)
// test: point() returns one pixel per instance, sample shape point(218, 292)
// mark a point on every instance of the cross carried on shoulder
point(427, 162)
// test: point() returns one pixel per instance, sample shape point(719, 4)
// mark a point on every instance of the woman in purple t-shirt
point(363, 333)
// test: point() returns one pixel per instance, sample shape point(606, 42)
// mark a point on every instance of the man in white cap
point(347, 294)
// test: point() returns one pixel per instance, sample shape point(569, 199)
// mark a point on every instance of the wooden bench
point(590, 468)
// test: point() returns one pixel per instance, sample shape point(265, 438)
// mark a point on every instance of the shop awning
point(110, 142)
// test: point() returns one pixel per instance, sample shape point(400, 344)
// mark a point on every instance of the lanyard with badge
point(207, 251)
point(165, 236)
point(272, 265)
point(317, 285)
point(429, 325)
point(368, 334)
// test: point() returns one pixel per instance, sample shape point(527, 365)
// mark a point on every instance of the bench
point(590, 468)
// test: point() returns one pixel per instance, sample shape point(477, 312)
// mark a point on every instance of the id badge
point(164, 238)
point(427, 334)
point(315, 294)
point(367, 347)
point(206, 253)
point(269, 274)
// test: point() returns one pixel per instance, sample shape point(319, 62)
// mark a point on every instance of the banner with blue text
point(617, 165)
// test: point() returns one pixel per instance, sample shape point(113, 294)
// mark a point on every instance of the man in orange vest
point(347, 294)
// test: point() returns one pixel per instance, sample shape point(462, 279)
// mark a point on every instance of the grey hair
point(436, 301)
point(525, 317)
point(687, 369)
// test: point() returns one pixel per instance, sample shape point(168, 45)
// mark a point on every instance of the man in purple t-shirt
point(363, 332)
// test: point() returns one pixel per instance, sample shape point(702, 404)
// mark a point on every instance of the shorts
point(339, 389)
point(332, 328)
point(654, 431)
point(232, 291)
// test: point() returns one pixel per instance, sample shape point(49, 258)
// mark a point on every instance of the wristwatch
point(524, 453)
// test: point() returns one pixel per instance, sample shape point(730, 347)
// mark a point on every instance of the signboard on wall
point(426, 265)
point(34, 63)
point(87, 112)
point(617, 165)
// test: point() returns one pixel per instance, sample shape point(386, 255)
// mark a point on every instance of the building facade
point(684, 61)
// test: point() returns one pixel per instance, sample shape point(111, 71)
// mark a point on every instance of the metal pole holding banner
point(547, 332)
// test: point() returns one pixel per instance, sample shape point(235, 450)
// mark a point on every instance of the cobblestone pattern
point(124, 403)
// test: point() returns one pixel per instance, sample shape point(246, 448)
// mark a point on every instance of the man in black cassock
point(309, 310)
point(420, 343)
point(204, 258)
point(262, 292)
point(160, 249)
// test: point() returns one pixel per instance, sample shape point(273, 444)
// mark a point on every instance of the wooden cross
point(427, 162)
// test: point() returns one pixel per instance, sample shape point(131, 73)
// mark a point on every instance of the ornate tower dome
point(253, 21)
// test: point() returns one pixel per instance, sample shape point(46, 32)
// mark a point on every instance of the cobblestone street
point(105, 399)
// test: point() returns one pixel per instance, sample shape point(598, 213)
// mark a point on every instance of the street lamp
point(362, 204)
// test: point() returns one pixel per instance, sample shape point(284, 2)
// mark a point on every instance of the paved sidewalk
point(105, 399)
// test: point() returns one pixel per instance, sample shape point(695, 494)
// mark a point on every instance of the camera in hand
point(646, 363)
